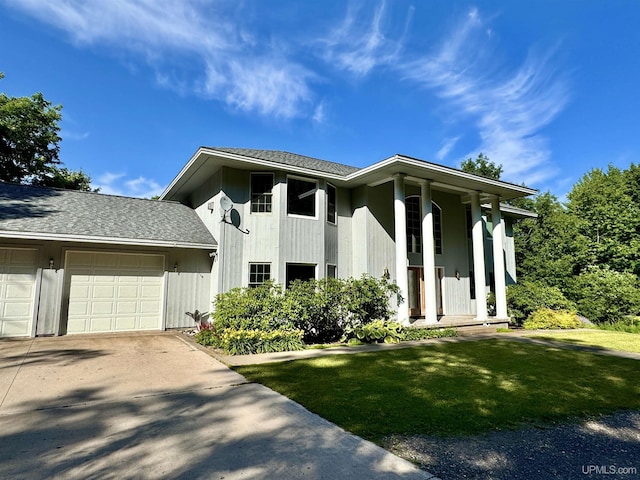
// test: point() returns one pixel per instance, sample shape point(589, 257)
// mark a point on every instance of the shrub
point(367, 298)
point(321, 309)
point(316, 308)
point(376, 331)
point(426, 333)
point(604, 295)
point(545, 318)
point(250, 308)
point(244, 342)
point(526, 297)
point(626, 324)
point(208, 337)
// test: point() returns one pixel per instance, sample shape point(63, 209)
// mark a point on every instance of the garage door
point(17, 291)
point(113, 292)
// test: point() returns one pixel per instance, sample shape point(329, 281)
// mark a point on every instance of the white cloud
point(509, 108)
point(117, 184)
point(447, 146)
point(234, 68)
point(359, 46)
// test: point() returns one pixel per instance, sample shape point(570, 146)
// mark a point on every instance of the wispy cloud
point(447, 146)
point(509, 107)
point(118, 184)
point(208, 35)
point(359, 43)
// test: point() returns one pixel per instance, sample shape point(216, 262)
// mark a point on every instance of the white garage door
point(17, 291)
point(112, 292)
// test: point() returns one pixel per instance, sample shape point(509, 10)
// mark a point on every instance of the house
point(76, 262)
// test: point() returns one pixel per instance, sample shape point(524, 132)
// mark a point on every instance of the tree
point(482, 166)
point(548, 248)
point(605, 206)
point(65, 178)
point(29, 144)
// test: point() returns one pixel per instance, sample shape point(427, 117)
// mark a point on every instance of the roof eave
point(106, 240)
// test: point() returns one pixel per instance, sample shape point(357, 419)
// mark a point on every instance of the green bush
point(626, 324)
point(426, 333)
point(244, 342)
point(209, 337)
point(526, 297)
point(546, 318)
point(321, 309)
point(316, 308)
point(376, 331)
point(257, 308)
point(367, 298)
point(604, 295)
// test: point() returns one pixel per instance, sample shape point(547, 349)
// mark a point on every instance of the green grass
point(455, 388)
point(610, 340)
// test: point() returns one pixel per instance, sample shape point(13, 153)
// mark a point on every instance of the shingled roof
point(291, 159)
point(48, 213)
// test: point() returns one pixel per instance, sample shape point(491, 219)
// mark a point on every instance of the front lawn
point(454, 388)
point(610, 340)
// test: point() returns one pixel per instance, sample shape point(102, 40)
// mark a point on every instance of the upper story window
point(301, 197)
point(261, 192)
point(414, 225)
point(331, 203)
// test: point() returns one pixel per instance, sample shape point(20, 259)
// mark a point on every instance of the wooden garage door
point(17, 291)
point(112, 292)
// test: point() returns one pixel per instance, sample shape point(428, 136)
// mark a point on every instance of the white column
point(428, 253)
point(479, 274)
point(400, 225)
point(498, 258)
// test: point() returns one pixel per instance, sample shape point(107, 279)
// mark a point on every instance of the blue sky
point(548, 89)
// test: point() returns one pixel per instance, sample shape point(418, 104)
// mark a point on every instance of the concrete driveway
point(156, 406)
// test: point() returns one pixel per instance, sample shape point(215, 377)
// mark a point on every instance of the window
point(259, 273)
point(414, 225)
point(261, 192)
point(300, 271)
point(301, 197)
point(331, 203)
point(472, 285)
point(437, 228)
point(332, 271)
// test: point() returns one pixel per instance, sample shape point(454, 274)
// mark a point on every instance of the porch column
point(479, 274)
point(400, 227)
point(428, 253)
point(498, 258)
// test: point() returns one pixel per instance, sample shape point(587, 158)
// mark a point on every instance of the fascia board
point(106, 240)
point(438, 169)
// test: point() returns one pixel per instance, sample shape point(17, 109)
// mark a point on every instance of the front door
point(416, 300)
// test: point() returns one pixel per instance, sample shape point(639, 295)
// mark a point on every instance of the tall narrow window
point(437, 228)
point(259, 273)
point(414, 225)
point(331, 203)
point(261, 192)
point(301, 197)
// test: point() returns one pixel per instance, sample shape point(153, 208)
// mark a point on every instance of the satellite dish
point(226, 204)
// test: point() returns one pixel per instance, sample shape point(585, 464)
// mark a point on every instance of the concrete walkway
point(156, 406)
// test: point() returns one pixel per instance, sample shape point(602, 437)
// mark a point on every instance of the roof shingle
point(291, 159)
point(49, 211)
